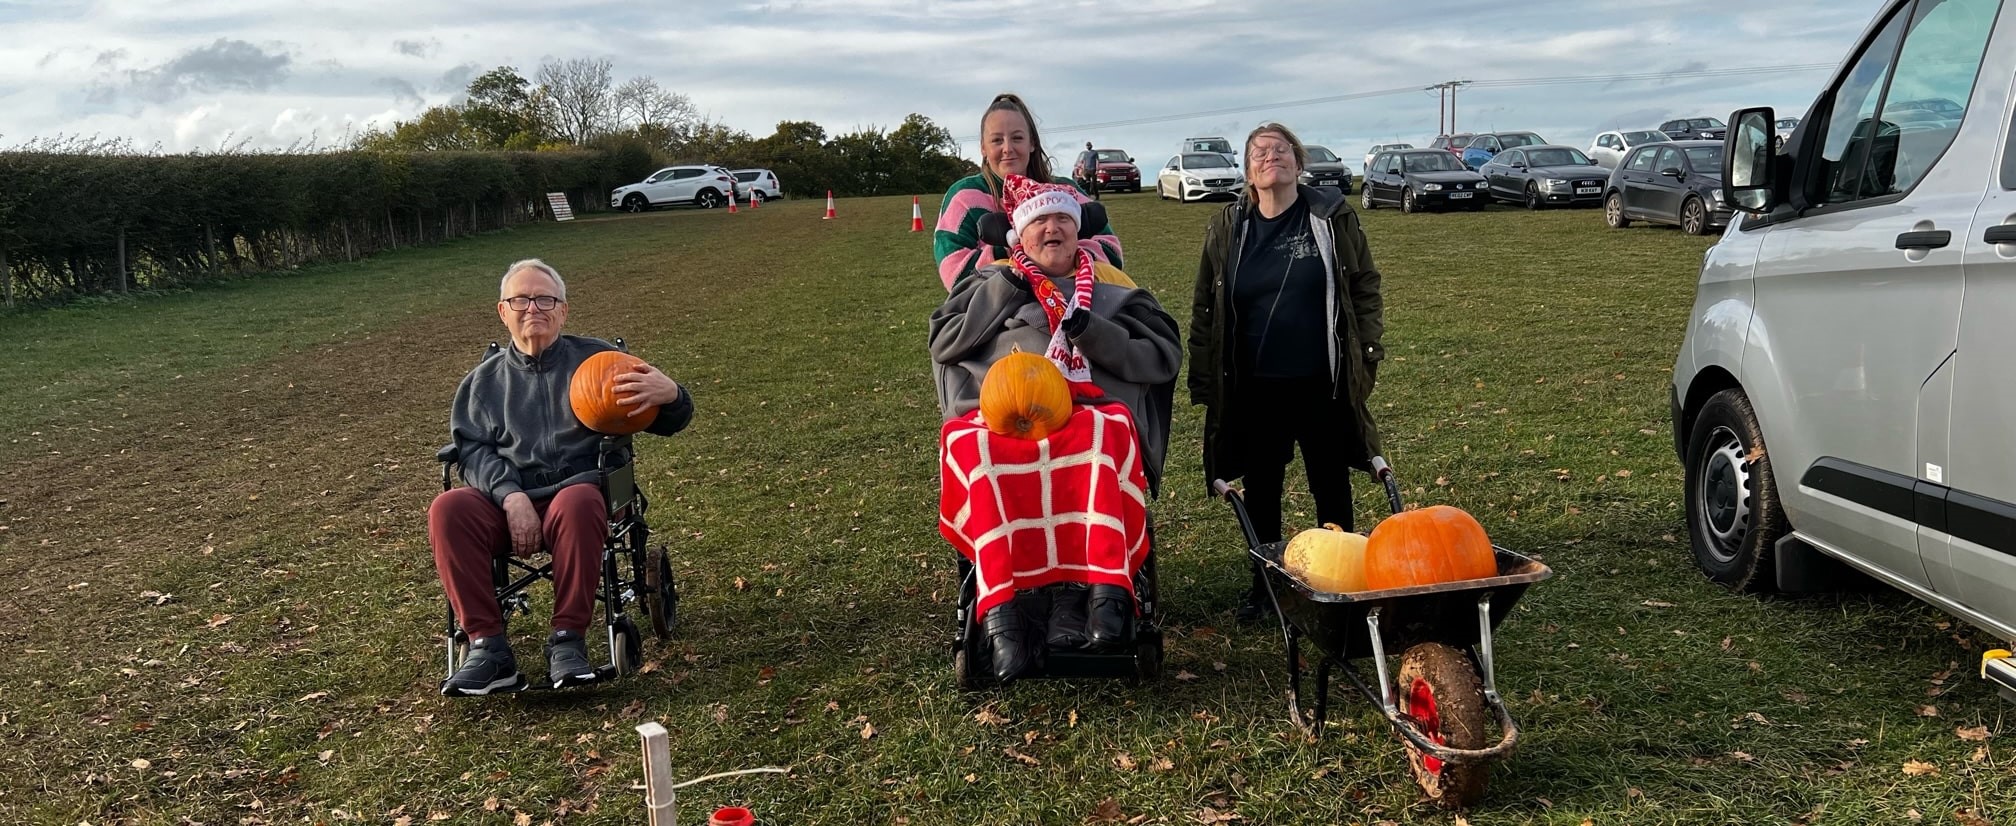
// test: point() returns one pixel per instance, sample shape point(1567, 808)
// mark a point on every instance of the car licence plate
point(1330, 182)
point(1587, 190)
point(1459, 195)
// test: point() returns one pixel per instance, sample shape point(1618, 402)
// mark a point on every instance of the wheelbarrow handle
point(1384, 473)
point(1224, 490)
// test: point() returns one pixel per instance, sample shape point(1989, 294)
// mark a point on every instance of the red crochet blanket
point(1069, 508)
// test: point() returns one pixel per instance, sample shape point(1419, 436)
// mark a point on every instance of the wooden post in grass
point(122, 259)
point(391, 235)
point(6, 277)
point(349, 252)
point(660, 801)
point(210, 247)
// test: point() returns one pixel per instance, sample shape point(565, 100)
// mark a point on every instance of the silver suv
point(1845, 390)
point(703, 186)
point(758, 184)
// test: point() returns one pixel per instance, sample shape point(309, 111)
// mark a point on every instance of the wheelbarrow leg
point(1322, 693)
point(1295, 680)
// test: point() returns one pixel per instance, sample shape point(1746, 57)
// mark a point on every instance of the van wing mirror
point(1750, 160)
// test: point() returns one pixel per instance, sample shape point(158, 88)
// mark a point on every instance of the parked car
point(1694, 129)
point(1107, 170)
point(1609, 147)
point(1197, 175)
point(1483, 147)
point(1418, 179)
point(1218, 145)
point(1836, 401)
point(1383, 147)
point(1325, 169)
point(1454, 143)
point(1678, 183)
point(758, 184)
point(706, 187)
point(1544, 175)
point(1785, 126)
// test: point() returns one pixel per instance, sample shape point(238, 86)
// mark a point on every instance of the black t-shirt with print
point(1278, 300)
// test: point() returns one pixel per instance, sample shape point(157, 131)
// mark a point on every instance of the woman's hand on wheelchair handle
point(523, 520)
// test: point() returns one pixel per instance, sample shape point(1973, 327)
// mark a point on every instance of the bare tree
point(579, 93)
point(640, 100)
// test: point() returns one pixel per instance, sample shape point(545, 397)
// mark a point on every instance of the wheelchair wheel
point(629, 651)
point(1148, 659)
point(660, 597)
point(965, 671)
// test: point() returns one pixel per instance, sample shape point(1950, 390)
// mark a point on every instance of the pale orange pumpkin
point(1328, 558)
point(1428, 546)
point(1025, 396)
point(592, 394)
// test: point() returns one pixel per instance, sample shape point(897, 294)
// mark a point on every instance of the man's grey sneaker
point(567, 660)
point(489, 668)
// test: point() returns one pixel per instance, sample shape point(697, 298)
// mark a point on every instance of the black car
point(1326, 170)
point(1695, 129)
point(1669, 183)
point(1540, 175)
point(1417, 179)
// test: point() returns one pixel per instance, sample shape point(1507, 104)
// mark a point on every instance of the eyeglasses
point(1272, 151)
point(521, 303)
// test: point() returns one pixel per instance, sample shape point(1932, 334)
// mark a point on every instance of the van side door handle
point(1926, 240)
point(2004, 234)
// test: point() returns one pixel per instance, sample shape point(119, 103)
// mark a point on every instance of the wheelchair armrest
point(448, 454)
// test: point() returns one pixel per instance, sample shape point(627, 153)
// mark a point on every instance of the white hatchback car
point(1382, 147)
point(758, 184)
point(1609, 148)
point(706, 187)
point(1844, 394)
point(1198, 175)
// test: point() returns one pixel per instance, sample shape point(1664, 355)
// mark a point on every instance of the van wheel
point(1694, 216)
point(1613, 211)
point(1734, 520)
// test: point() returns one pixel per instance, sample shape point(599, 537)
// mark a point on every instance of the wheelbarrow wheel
point(1440, 690)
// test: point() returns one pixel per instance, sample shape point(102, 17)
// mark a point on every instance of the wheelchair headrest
point(994, 225)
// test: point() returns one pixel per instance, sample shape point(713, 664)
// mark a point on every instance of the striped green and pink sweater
point(957, 242)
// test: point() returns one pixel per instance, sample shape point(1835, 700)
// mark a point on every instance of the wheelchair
point(1138, 658)
point(633, 570)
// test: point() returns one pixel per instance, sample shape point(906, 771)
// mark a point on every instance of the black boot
point(1257, 604)
point(1067, 616)
point(1112, 605)
point(1003, 624)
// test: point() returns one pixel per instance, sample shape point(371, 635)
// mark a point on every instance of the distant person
point(1284, 341)
point(1009, 145)
point(1088, 170)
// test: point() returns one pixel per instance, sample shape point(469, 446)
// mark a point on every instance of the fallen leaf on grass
point(1123, 761)
point(1980, 754)
point(217, 620)
point(142, 763)
point(325, 755)
point(1161, 764)
point(650, 667)
point(972, 778)
point(987, 717)
point(1020, 757)
point(1108, 811)
point(1743, 756)
point(867, 730)
point(1972, 735)
point(1072, 720)
point(1653, 603)
point(741, 584)
point(765, 674)
point(634, 710)
point(721, 713)
point(491, 804)
point(1968, 817)
point(1928, 711)
point(312, 696)
point(1209, 816)
point(403, 820)
point(1919, 767)
point(1185, 676)
point(522, 819)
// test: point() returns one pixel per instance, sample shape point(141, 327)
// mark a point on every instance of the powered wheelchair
point(633, 570)
point(1139, 656)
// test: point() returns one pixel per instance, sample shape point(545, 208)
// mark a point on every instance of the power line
point(1504, 83)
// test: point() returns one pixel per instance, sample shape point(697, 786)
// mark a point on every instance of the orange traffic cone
point(755, 202)
point(731, 200)
point(916, 216)
point(829, 206)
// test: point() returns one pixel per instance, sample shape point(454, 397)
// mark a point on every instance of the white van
point(1845, 391)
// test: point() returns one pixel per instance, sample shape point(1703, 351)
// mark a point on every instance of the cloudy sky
point(193, 74)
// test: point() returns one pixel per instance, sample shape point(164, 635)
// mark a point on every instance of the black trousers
point(1271, 418)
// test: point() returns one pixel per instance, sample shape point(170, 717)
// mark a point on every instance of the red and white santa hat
point(1028, 200)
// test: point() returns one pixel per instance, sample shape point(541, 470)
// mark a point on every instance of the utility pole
point(1453, 86)
point(1445, 105)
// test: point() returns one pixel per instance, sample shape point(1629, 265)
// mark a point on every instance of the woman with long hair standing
point(1284, 341)
point(1009, 145)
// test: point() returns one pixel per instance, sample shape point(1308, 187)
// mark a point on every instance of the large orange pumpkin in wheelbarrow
point(592, 394)
point(1428, 546)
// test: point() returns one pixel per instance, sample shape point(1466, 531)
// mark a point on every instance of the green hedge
point(187, 219)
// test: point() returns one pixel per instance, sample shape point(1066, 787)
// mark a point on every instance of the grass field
point(221, 607)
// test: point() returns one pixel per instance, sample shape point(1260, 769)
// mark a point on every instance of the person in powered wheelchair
point(1118, 349)
point(536, 478)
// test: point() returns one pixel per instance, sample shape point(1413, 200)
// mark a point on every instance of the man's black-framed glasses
point(521, 303)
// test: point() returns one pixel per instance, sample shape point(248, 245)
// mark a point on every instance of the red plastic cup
point(732, 816)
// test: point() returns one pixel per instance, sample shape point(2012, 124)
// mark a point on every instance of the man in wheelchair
point(1119, 350)
point(531, 472)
